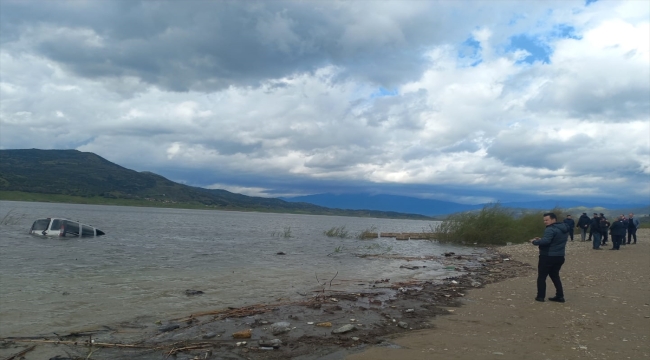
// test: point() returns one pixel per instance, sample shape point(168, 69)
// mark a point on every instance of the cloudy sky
point(469, 101)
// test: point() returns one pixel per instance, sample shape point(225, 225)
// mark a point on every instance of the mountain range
point(83, 175)
point(72, 175)
point(431, 207)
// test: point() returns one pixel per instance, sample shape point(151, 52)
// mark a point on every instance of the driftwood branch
point(68, 342)
point(21, 353)
point(337, 273)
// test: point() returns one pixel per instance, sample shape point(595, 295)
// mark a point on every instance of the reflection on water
point(150, 256)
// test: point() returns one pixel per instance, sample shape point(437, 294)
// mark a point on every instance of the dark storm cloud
point(203, 45)
point(530, 148)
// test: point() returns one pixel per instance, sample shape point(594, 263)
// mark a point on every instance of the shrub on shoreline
point(493, 225)
point(339, 231)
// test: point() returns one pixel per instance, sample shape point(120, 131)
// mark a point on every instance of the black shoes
point(556, 299)
point(540, 299)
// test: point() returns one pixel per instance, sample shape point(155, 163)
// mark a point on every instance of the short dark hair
point(568, 215)
point(551, 215)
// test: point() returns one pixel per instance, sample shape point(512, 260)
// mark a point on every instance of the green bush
point(369, 233)
point(339, 231)
point(493, 225)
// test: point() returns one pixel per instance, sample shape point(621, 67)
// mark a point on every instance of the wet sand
point(606, 314)
point(489, 313)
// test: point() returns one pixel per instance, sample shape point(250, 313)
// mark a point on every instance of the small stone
point(334, 299)
point(209, 335)
point(167, 328)
point(310, 323)
point(343, 329)
point(497, 353)
point(324, 324)
point(190, 292)
point(275, 343)
point(244, 334)
point(354, 338)
point(280, 327)
point(409, 310)
point(403, 325)
point(454, 282)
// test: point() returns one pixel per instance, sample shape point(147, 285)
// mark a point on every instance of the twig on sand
point(21, 353)
point(109, 345)
point(333, 278)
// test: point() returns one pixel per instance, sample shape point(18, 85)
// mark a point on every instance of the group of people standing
point(552, 245)
point(598, 228)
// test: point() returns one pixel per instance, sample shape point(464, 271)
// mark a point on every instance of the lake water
point(149, 256)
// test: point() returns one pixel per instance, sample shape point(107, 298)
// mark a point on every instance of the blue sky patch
point(382, 92)
point(566, 31)
point(587, 2)
point(537, 49)
point(470, 49)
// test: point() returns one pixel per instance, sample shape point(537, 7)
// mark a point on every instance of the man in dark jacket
point(583, 225)
point(632, 225)
point(604, 228)
point(570, 224)
point(595, 231)
point(552, 246)
point(618, 232)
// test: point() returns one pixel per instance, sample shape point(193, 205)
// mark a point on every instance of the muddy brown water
point(139, 271)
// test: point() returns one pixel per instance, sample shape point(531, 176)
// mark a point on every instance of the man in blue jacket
point(552, 246)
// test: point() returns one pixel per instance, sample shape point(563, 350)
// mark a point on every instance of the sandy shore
point(606, 316)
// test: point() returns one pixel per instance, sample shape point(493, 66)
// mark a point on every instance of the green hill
point(81, 177)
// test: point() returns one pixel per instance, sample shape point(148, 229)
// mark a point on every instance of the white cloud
point(499, 125)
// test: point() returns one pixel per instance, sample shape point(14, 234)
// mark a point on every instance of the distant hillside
point(427, 207)
point(79, 174)
point(432, 207)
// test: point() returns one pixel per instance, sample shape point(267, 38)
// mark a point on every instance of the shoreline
point(378, 310)
point(606, 314)
point(488, 313)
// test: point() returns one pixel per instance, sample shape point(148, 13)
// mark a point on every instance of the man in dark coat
point(604, 228)
point(570, 223)
point(595, 231)
point(583, 225)
point(632, 225)
point(618, 232)
point(552, 247)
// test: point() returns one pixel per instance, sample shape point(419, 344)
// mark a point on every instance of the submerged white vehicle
point(63, 228)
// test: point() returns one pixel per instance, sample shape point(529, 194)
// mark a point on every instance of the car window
point(56, 224)
point(41, 224)
point(87, 231)
point(70, 228)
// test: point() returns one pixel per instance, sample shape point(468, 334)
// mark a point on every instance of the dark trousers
point(631, 233)
point(549, 266)
point(571, 233)
point(605, 238)
point(616, 241)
